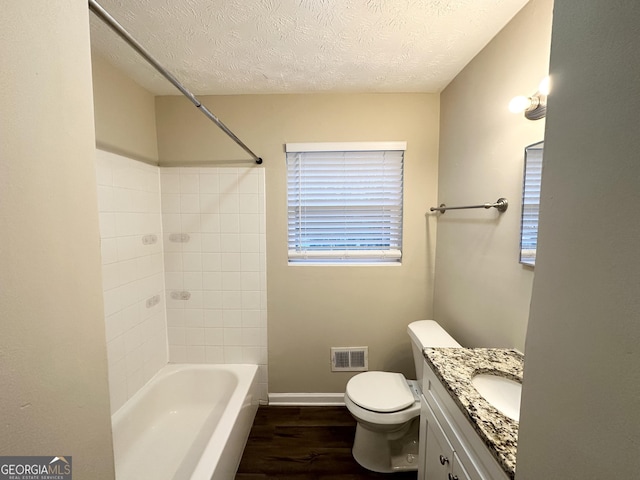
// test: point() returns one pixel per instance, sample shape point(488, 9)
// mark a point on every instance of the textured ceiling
point(301, 46)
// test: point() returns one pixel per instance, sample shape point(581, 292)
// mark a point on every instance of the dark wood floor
point(299, 443)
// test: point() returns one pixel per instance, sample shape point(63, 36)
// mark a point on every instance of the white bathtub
point(189, 422)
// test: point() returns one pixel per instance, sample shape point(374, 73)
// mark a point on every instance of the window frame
point(531, 189)
point(352, 257)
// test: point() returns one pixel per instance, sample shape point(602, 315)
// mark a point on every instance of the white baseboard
point(306, 399)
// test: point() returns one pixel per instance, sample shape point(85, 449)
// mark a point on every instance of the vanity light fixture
point(535, 106)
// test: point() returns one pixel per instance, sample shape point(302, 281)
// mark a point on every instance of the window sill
point(344, 264)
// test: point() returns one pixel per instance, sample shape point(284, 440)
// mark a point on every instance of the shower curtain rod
point(103, 15)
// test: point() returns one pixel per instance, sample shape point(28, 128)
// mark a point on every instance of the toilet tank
point(424, 334)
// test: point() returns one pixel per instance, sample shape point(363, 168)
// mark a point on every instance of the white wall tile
point(107, 225)
point(211, 262)
point(189, 203)
point(210, 223)
point(231, 281)
point(232, 300)
point(189, 183)
point(250, 262)
point(173, 262)
point(230, 223)
point(248, 182)
point(249, 223)
point(224, 320)
point(129, 205)
point(195, 301)
point(253, 355)
point(214, 354)
point(214, 336)
point(177, 336)
point(229, 204)
point(170, 203)
point(194, 317)
point(232, 318)
point(230, 243)
point(171, 223)
point(196, 354)
point(194, 336)
point(248, 203)
point(228, 181)
point(175, 317)
point(209, 203)
point(213, 318)
point(178, 353)
point(209, 183)
point(212, 299)
point(194, 245)
point(212, 281)
point(110, 277)
point(250, 300)
point(250, 281)
point(230, 262)
point(169, 182)
point(233, 354)
point(192, 280)
point(190, 222)
point(250, 318)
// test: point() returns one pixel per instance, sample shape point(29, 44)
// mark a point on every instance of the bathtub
point(189, 422)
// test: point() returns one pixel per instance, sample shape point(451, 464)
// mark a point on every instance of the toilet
point(386, 407)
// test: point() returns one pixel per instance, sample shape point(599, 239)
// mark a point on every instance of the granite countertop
point(455, 367)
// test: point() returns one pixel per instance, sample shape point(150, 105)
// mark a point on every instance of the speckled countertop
point(455, 367)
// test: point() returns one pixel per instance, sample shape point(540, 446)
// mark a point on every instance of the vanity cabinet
point(441, 461)
point(450, 448)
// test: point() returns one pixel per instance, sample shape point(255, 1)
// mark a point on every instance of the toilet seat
point(382, 392)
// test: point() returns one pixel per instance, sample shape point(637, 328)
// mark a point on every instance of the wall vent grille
point(349, 359)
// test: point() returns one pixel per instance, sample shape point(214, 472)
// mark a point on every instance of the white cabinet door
point(438, 454)
point(457, 470)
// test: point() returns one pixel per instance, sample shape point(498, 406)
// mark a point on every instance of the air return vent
point(349, 359)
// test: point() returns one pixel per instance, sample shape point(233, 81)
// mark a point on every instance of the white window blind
point(345, 205)
point(531, 203)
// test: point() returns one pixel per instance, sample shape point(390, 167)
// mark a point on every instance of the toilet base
point(387, 452)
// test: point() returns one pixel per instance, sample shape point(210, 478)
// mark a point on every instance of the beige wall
point(53, 368)
point(482, 293)
point(581, 389)
point(313, 308)
point(125, 116)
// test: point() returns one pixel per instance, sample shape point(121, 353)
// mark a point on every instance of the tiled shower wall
point(215, 268)
point(210, 259)
point(132, 272)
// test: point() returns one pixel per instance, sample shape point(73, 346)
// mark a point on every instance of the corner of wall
point(125, 114)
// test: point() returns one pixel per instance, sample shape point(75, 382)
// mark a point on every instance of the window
point(345, 202)
point(531, 203)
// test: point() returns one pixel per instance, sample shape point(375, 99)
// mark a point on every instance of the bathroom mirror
point(531, 203)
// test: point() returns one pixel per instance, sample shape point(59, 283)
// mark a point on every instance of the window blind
point(531, 205)
point(345, 205)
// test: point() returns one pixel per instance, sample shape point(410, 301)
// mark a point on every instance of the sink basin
point(501, 392)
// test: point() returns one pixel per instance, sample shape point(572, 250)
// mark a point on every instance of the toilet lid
point(380, 391)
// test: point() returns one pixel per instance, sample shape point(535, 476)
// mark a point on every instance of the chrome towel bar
point(501, 205)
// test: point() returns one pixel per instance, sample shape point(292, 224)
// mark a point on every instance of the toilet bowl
point(386, 407)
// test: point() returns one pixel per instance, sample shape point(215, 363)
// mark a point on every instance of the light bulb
point(519, 104)
point(545, 86)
